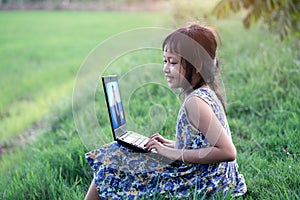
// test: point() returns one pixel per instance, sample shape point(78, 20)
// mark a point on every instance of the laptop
point(116, 112)
point(120, 132)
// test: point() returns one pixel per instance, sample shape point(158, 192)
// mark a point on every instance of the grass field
point(41, 53)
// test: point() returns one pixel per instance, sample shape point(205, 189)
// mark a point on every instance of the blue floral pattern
point(120, 173)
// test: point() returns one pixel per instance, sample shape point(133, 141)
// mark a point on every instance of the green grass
point(41, 53)
point(260, 75)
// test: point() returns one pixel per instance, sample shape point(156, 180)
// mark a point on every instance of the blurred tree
point(283, 16)
point(183, 11)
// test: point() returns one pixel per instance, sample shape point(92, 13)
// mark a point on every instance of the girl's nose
point(166, 68)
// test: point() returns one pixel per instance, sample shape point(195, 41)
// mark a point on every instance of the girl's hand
point(162, 140)
point(156, 146)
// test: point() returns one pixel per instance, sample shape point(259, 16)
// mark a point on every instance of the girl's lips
point(168, 77)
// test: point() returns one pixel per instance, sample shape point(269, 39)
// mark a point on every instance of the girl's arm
point(200, 114)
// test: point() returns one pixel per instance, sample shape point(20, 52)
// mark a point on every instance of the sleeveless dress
point(120, 173)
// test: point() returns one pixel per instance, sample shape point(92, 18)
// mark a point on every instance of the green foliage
point(282, 16)
point(192, 10)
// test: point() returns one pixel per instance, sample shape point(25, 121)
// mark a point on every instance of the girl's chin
point(172, 85)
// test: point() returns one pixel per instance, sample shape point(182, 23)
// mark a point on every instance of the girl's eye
point(170, 62)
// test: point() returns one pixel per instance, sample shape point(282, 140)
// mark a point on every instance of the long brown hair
point(197, 47)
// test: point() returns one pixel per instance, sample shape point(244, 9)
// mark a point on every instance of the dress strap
point(203, 93)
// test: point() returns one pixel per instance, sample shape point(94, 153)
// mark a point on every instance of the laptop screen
point(115, 104)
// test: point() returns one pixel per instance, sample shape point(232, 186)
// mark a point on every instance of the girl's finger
point(154, 135)
point(149, 143)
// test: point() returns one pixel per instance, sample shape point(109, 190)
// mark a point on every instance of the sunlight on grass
point(26, 112)
point(39, 65)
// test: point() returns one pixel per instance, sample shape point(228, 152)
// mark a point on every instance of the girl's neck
point(187, 92)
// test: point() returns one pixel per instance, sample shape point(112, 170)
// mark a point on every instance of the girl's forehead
point(169, 53)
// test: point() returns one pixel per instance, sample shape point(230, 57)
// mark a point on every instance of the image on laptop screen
point(115, 104)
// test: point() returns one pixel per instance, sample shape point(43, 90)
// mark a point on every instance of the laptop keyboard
point(136, 139)
point(141, 141)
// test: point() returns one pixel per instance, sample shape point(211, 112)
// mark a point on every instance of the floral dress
point(120, 173)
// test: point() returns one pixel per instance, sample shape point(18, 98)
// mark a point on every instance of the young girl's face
point(173, 70)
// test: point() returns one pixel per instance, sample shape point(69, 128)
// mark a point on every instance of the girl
point(203, 149)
